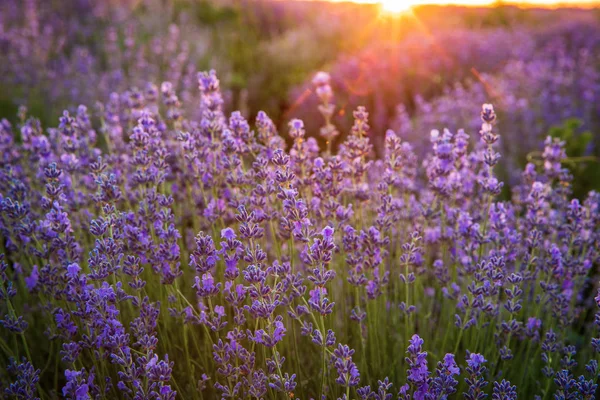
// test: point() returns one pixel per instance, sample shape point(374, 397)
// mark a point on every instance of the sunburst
point(396, 6)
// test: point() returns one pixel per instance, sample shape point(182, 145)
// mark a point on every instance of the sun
point(396, 6)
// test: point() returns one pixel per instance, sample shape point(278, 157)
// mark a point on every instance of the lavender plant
point(79, 51)
point(558, 83)
point(149, 255)
point(537, 75)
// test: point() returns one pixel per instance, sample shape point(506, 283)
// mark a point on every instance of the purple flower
point(296, 129)
point(418, 373)
point(475, 360)
point(475, 379)
point(228, 234)
point(32, 280)
point(321, 78)
point(504, 391)
point(271, 339)
point(319, 302)
point(80, 385)
point(26, 377)
point(348, 374)
point(205, 286)
point(327, 232)
point(73, 271)
point(444, 384)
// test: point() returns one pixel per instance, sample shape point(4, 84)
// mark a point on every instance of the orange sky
point(548, 3)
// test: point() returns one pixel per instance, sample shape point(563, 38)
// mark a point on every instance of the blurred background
point(416, 67)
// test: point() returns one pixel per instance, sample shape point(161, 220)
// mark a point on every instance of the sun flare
point(396, 6)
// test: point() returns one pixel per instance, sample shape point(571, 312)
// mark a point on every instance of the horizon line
point(583, 4)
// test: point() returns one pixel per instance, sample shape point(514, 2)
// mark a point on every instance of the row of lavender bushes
point(537, 77)
point(560, 83)
point(149, 255)
point(61, 54)
point(57, 55)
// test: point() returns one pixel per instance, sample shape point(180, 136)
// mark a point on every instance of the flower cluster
point(150, 255)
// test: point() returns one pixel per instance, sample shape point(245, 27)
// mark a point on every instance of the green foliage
point(9, 106)
point(576, 144)
point(8, 109)
point(584, 167)
point(209, 14)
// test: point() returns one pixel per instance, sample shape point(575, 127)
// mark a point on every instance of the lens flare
point(396, 6)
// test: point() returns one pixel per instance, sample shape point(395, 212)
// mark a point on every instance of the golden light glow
point(396, 6)
point(399, 6)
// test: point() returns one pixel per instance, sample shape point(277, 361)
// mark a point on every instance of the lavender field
point(214, 199)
